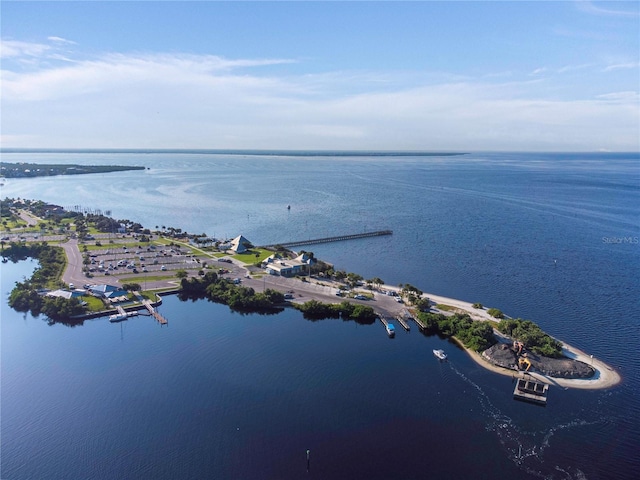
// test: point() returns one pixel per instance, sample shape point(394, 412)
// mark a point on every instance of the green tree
point(182, 274)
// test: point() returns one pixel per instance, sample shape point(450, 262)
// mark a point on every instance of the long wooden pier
point(339, 238)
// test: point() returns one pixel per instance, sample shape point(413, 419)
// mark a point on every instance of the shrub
point(532, 336)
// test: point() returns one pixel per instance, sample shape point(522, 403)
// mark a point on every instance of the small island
point(29, 170)
point(138, 263)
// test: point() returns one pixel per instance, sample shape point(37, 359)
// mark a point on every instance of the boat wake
point(525, 448)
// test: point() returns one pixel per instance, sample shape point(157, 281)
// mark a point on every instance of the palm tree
point(181, 274)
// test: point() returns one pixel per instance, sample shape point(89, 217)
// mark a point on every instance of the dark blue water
point(220, 395)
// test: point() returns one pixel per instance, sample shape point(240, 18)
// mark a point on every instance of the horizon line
point(285, 152)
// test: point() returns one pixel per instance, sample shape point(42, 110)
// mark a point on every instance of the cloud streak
point(174, 100)
point(589, 7)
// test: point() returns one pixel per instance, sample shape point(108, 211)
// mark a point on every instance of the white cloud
point(538, 71)
point(15, 49)
point(60, 40)
point(590, 7)
point(622, 66)
point(573, 68)
point(203, 101)
point(621, 97)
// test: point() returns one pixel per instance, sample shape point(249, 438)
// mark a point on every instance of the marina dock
point(403, 319)
point(151, 309)
point(389, 327)
point(154, 313)
point(421, 325)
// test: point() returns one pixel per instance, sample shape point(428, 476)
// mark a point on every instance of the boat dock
point(339, 238)
point(151, 309)
point(421, 325)
point(154, 313)
point(389, 327)
point(403, 319)
point(529, 390)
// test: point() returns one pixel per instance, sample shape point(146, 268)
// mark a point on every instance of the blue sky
point(503, 75)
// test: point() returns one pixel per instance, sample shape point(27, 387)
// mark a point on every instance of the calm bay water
point(220, 395)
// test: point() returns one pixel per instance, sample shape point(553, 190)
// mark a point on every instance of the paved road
point(73, 272)
point(31, 220)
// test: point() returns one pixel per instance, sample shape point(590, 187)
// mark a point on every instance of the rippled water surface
point(220, 395)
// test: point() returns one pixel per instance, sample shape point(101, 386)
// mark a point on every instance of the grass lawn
point(105, 245)
point(250, 256)
point(13, 224)
point(445, 308)
point(141, 279)
point(93, 304)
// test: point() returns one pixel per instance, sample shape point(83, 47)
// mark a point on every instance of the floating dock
point(528, 390)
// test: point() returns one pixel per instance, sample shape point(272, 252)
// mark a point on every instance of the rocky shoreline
point(503, 355)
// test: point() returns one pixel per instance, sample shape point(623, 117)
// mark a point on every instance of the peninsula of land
point(170, 260)
point(28, 170)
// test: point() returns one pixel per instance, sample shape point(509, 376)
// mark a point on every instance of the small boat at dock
point(118, 317)
point(391, 330)
point(440, 354)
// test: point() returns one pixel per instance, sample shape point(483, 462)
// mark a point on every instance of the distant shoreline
point(258, 152)
point(35, 170)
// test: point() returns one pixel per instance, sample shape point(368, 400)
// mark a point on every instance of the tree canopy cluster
point(237, 297)
point(25, 297)
point(18, 170)
point(315, 310)
point(477, 336)
point(531, 336)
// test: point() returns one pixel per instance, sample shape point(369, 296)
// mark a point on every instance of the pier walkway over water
point(339, 238)
point(150, 308)
point(161, 320)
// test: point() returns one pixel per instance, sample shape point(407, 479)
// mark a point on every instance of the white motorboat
point(440, 354)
